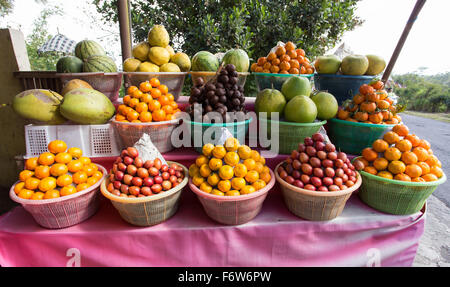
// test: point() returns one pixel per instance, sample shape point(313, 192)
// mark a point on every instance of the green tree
point(253, 25)
point(39, 35)
point(6, 7)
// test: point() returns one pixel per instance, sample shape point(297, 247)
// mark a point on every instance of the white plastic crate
point(94, 140)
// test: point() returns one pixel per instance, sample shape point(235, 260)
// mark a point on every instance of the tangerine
point(25, 193)
point(413, 170)
point(205, 187)
point(155, 82)
point(207, 149)
point(47, 184)
point(409, 157)
point(25, 174)
point(217, 192)
point(75, 152)
point(421, 153)
point(415, 140)
point(391, 137)
point(57, 146)
point(385, 174)
point(79, 177)
point(64, 180)
point(37, 195)
point(224, 185)
point(404, 145)
point(213, 179)
point(58, 169)
point(437, 171)
point(402, 177)
point(231, 144)
point(380, 145)
point(418, 179)
point(63, 157)
point(265, 176)
point(205, 171)
point(18, 187)
point(238, 183)
point(42, 171)
point(247, 189)
point(259, 184)
point(159, 115)
point(219, 151)
point(252, 176)
point(46, 158)
point(369, 154)
point(231, 158)
point(392, 154)
point(424, 166)
point(164, 89)
point(430, 177)
point(82, 186)
point(31, 183)
point(244, 152)
point(31, 163)
point(250, 163)
point(68, 190)
point(425, 144)
point(396, 167)
point(432, 160)
point(380, 163)
point(240, 170)
point(145, 86)
point(226, 172)
point(401, 130)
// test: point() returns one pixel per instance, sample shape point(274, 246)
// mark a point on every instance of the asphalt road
point(438, 134)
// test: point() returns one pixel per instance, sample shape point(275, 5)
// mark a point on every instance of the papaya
point(87, 106)
point(39, 105)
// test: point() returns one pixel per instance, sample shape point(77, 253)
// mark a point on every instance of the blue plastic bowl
point(275, 81)
point(342, 87)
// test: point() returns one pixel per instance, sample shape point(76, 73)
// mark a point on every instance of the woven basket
point(315, 205)
point(159, 132)
point(149, 210)
point(290, 134)
point(394, 196)
point(63, 211)
point(233, 210)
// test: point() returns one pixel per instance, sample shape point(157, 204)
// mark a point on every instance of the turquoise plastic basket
point(238, 129)
point(290, 134)
point(275, 81)
point(352, 137)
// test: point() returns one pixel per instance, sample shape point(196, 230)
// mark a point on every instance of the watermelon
point(237, 57)
point(99, 64)
point(69, 64)
point(86, 48)
point(205, 61)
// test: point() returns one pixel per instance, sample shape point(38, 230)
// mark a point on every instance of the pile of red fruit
point(317, 166)
point(132, 177)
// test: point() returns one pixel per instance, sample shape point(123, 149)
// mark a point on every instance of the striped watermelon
point(86, 48)
point(99, 64)
point(205, 61)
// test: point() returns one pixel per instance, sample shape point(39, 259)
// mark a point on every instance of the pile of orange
point(402, 156)
point(150, 102)
point(372, 105)
point(285, 60)
point(58, 172)
point(230, 169)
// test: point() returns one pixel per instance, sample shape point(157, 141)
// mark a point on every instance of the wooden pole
point(401, 41)
point(125, 28)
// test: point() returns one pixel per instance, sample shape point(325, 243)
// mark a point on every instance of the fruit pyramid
point(400, 155)
point(317, 166)
point(230, 169)
point(56, 173)
point(150, 102)
point(372, 105)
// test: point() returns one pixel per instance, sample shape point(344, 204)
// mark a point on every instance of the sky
point(427, 45)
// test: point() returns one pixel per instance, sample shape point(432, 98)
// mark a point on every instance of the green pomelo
point(238, 58)
point(327, 106)
point(87, 106)
point(159, 56)
point(376, 65)
point(158, 36)
point(328, 64)
point(355, 65)
point(296, 86)
point(182, 60)
point(39, 105)
point(270, 101)
point(300, 109)
point(69, 64)
point(205, 61)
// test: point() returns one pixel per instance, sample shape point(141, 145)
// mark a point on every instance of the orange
point(205, 171)
point(155, 93)
point(240, 170)
point(380, 145)
point(231, 158)
point(424, 166)
point(265, 176)
point(145, 86)
point(207, 149)
point(259, 184)
point(418, 179)
point(91, 181)
point(68, 190)
point(430, 177)
point(219, 151)
point(396, 167)
point(193, 170)
point(415, 140)
point(98, 174)
point(163, 100)
point(369, 154)
point(238, 183)
point(85, 160)
point(64, 180)
point(137, 94)
point(280, 51)
point(385, 174)
point(244, 152)
point(159, 115)
point(271, 56)
point(205, 187)
point(25, 194)
point(255, 155)
point(131, 89)
point(57, 146)
point(404, 145)
point(122, 109)
point(252, 176)
point(75, 165)
point(58, 169)
point(250, 163)
point(401, 130)
point(409, 157)
point(392, 153)
point(47, 184)
point(46, 158)
point(145, 117)
point(380, 163)
point(413, 170)
point(18, 187)
point(231, 144)
point(52, 194)
point(217, 192)
point(437, 171)
point(133, 103)
point(167, 109)
point(382, 104)
point(421, 153)
point(201, 160)
point(432, 160)
point(82, 186)
point(164, 89)
point(146, 98)
point(63, 157)
point(126, 99)
point(259, 167)
point(141, 107)
point(31, 163)
point(89, 169)
point(247, 189)
point(31, 183)
point(133, 115)
point(25, 174)
point(224, 185)
point(213, 179)
point(79, 177)
point(391, 137)
point(155, 82)
point(174, 105)
point(226, 172)
point(233, 192)
point(75, 152)
point(300, 52)
point(171, 97)
point(37, 196)
point(425, 144)
point(197, 180)
point(402, 177)
point(42, 171)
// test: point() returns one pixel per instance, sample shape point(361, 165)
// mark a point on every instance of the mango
point(87, 106)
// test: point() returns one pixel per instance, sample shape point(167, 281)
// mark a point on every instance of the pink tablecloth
point(361, 236)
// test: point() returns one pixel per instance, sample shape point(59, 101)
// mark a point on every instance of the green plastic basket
point(275, 81)
point(352, 137)
point(290, 134)
point(395, 196)
point(238, 129)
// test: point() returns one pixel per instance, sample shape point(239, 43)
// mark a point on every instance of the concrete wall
point(13, 58)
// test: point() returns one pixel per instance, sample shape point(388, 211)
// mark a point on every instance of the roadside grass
point(443, 117)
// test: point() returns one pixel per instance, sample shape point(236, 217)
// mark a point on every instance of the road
point(434, 247)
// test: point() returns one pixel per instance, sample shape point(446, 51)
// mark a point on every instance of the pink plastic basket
point(159, 132)
point(233, 210)
point(64, 211)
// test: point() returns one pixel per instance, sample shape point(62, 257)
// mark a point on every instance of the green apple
point(328, 64)
point(355, 65)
